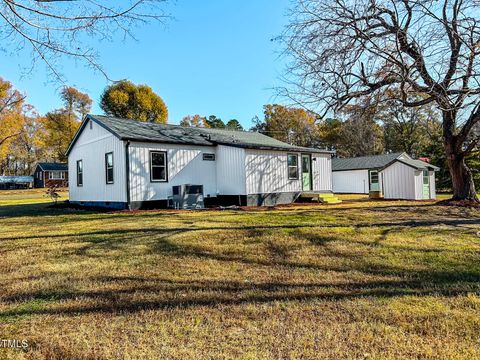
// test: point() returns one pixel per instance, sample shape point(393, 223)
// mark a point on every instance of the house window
point(56, 175)
point(158, 166)
point(292, 164)
point(109, 167)
point(208, 157)
point(79, 173)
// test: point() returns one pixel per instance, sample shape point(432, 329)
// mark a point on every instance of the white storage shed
point(396, 176)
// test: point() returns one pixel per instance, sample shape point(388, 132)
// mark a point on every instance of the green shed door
point(306, 172)
point(374, 182)
point(426, 184)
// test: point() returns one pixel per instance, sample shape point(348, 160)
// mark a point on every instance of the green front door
point(374, 182)
point(306, 172)
point(426, 184)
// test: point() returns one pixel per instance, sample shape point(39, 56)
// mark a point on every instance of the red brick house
point(50, 174)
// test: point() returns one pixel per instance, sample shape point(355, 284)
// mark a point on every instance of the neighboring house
point(16, 182)
point(397, 176)
point(51, 174)
point(130, 164)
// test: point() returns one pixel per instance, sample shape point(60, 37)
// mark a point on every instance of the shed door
point(306, 172)
point(426, 184)
point(374, 182)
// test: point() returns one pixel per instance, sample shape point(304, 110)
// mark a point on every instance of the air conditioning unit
point(188, 196)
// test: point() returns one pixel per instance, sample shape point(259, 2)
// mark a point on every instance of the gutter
point(127, 172)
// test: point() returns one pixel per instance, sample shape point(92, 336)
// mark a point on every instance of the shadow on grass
point(130, 294)
point(114, 294)
point(164, 294)
point(34, 210)
point(255, 228)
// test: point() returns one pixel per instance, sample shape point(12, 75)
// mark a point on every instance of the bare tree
point(59, 28)
point(342, 50)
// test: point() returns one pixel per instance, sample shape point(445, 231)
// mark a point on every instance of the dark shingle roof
point(378, 162)
point(174, 134)
point(419, 164)
point(363, 162)
point(53, 166)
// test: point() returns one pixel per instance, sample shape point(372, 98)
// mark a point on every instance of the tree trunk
point(462, 179)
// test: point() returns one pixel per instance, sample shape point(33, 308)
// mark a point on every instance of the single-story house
point(131, 164)
point(50, 174)
point(396, 175)
point(16, 182)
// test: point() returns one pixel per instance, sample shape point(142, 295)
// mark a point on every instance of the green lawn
point(363, 279)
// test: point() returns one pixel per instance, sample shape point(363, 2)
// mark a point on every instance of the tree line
point(27, 137)
point(369, 127)
point(374, 125)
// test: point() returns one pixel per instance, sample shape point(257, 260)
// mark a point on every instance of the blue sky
point(214, 57)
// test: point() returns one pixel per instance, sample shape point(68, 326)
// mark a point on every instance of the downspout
point(127, 173)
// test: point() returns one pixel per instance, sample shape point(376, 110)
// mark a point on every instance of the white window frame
point(60, 175)
point(292, 166)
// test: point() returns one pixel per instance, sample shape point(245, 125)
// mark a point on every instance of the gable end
point(82, 127)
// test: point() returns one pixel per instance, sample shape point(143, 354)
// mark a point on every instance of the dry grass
point(357, 280)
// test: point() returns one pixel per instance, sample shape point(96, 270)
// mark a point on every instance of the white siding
point(433, 192)
point(399, 182)
point(418, 179)
point(185, 166)
point(351, 182)
point(231, 178)
point(419, 185)
point(322, 172)
point(91, 147)
point(266, 172)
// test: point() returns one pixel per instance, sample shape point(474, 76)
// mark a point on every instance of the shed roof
point(15, 179)
point(364, 162)
point(377, 162)
point(53, 166)
point(133, 130)
point(418, 164)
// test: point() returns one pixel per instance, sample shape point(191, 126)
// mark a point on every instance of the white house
point(396, 175)
point(130, 164)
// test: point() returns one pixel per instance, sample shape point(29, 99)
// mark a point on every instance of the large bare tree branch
point(52, 29)
point(344, 50)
